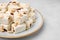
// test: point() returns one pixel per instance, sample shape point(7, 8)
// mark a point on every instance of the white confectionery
point(12, 7)
point(16, 17)
point(5, 19)
point(19, 18)
point(29, 23)
point(20, 28)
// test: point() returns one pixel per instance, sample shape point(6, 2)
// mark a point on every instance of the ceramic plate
point(34, 28)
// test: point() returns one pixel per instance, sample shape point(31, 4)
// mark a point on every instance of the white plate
point(34, 28)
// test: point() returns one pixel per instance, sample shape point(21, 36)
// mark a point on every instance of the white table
point(50, 9)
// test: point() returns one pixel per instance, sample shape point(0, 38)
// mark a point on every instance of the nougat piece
point(4, 19)
point(29, 23)
point(19, 28)
point(12, 7)
point(19, 17)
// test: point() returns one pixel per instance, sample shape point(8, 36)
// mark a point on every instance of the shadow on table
point(28, 37)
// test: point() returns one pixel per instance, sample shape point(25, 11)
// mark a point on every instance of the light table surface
point(50, 9)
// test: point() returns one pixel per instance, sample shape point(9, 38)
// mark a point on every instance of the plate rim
point(40, 26)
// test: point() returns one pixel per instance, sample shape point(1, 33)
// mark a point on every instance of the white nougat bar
point(5, 18)
point(20, 28)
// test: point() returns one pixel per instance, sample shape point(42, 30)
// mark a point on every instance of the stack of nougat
point(16, 17)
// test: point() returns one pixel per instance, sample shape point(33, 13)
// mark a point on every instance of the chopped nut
point(13, 2)
point(24, 13)
point(19, 8)
point(4, 29)
point(11, 13)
